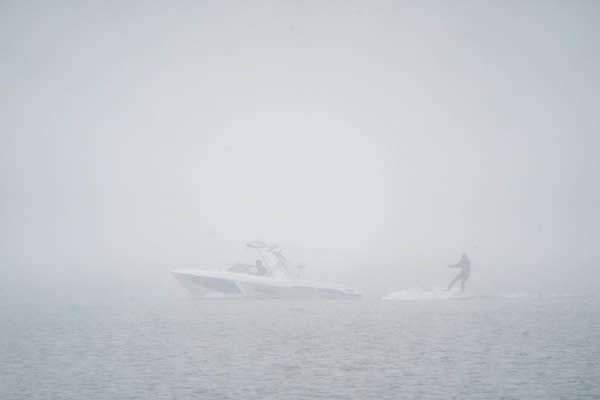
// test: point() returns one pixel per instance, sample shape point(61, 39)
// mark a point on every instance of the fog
point(374, 142)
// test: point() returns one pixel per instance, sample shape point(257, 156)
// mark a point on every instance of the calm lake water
point(183, 348)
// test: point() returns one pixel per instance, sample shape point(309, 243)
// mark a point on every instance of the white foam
point(426, 294)
point(437, 293)
point(538, 295)
point(517, 295)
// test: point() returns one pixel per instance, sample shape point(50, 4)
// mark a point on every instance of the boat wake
point(427, 294)
point(441, 294)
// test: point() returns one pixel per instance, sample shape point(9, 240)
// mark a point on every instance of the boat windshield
point(251, 269)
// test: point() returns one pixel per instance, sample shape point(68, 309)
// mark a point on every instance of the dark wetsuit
point(260, 268)
point(465, 271)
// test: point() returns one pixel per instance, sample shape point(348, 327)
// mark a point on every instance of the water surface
point(185, 348)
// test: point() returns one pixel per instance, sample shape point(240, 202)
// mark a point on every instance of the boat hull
point(226, 284)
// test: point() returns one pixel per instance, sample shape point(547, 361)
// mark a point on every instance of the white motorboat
point(271, 276)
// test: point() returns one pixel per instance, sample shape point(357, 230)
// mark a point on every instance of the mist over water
point(374, 143)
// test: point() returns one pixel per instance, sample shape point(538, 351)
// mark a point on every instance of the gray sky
point(375, 141)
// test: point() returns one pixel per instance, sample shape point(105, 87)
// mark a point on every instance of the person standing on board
point(465, 271)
